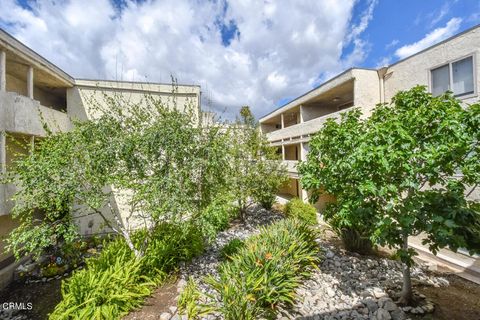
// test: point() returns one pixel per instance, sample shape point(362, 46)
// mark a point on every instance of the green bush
point(231, 248)
point(114, 283)
point(355, 242)
point(296, 208)
point(265, 273)
point(216, 217)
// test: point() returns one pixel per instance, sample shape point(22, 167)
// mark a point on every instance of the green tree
point(157, 162)
point(256, 173)
point(406, 170)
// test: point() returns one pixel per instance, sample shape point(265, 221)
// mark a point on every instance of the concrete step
point(462, 265)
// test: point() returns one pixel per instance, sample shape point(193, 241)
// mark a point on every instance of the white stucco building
point(452, 64)
point(31, 87)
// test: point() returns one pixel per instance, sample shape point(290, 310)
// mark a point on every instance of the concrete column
point(283, 120)
point(30, 82)
point(3, 152)
point(283, 152)
point(3, 71)
point(301, 113)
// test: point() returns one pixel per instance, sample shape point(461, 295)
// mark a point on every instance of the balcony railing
point(291, 165)
point(24, 115)
point(304, 128)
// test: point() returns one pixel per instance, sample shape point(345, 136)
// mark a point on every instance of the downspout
point(381, 83)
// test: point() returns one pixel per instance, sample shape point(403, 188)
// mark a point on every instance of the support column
point(30, 82)
point(283, 152)
point(3, 71)
point(3, 152)
point(303, 157)
point(301, 113)
point(283, 120)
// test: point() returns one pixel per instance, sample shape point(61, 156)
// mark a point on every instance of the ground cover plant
point(263, 274)
point(406, 170)
point(116, 281)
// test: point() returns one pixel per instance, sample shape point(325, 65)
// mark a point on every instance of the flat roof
point(436, 44)
point(290, 104)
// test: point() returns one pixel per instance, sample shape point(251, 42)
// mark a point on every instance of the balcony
point(304, 128)
point(291, 166)
point(21, 114)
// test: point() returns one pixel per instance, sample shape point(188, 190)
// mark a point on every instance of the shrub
point(231, 248)
point(115, 282)
point(216, 217)
point(355, 242)
point(265, 273)
point(296, 208)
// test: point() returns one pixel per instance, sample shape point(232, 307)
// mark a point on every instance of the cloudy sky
point(242, 52)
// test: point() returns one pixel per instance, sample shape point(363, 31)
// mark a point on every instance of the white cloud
point(392, 44)
point(430, 39)
point(281, 49)
point(385, 61)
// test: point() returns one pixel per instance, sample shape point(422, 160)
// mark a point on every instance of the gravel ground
point(345, 285)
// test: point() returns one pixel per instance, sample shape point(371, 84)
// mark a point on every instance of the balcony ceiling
point(343, 91)
point(18, 67)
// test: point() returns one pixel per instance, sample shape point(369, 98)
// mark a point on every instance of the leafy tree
point(255, 172)
point(406, 170)
point(157, 163)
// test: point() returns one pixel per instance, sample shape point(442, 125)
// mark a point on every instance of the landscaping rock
point(345, 286)
point(398, 314)
point(165, 316)
point(382, 314)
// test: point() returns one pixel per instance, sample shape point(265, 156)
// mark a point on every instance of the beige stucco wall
point(289, 188)
point(366, 90)
point(416, 69)
point(87, 94)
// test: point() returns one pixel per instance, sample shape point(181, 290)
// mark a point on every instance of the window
point(456, 76)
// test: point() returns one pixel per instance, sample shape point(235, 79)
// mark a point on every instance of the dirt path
point(459, 301)
point(157, 303)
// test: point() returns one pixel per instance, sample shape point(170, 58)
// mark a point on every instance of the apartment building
point(450, 65)
point(32, 88)
point(453, 64)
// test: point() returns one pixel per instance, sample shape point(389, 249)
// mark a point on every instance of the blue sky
point(248, 52)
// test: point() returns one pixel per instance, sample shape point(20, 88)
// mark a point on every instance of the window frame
point(450, 75)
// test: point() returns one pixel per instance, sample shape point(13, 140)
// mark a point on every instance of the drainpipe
point(3, 71)
point(3, 152)
point(381, 80)
point(30, 82)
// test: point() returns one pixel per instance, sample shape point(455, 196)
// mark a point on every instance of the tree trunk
point(406, 294)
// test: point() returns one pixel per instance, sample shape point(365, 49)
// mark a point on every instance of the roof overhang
point(311, 95)
point(22, 55)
